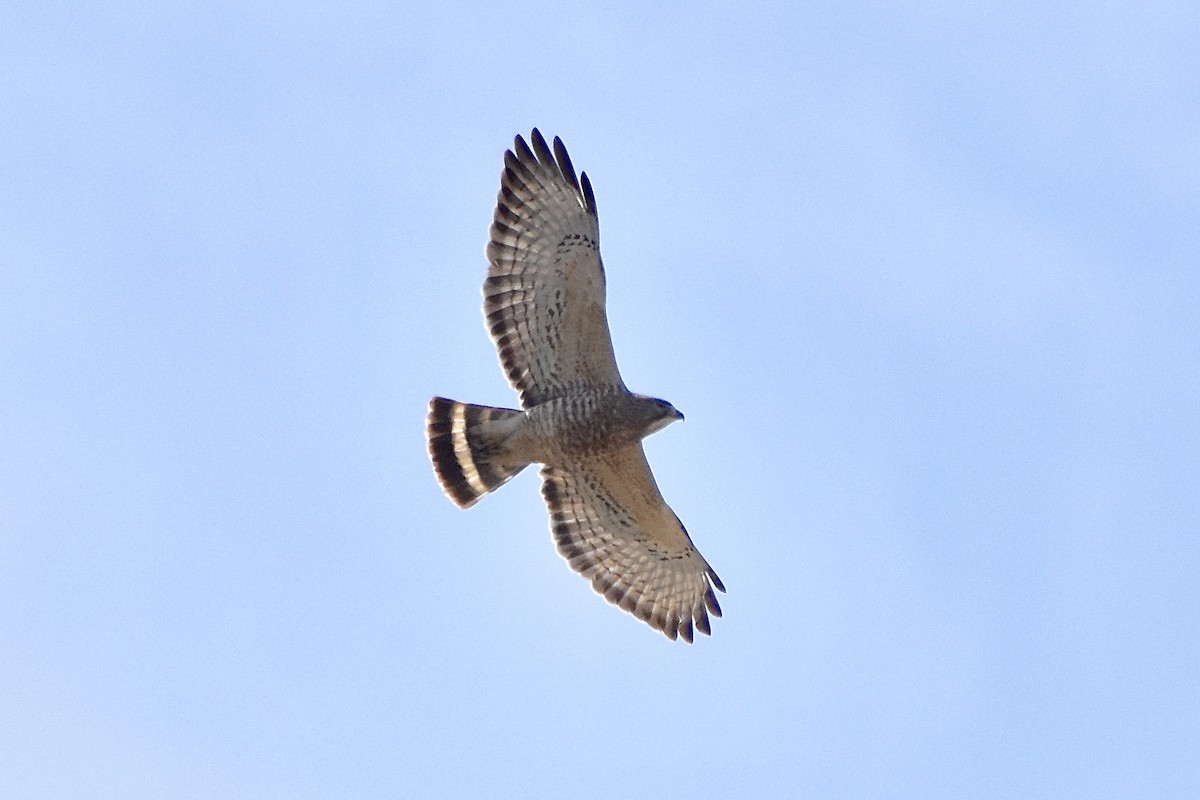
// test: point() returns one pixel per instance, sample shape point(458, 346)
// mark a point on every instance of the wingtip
point(521, 148)
point(589, 196)
point(537, 150)
point(716, 582)
point(540, 147)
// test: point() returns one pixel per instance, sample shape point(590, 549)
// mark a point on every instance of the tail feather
point(466, 447)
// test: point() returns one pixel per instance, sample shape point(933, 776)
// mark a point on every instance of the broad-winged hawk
point(545, 309)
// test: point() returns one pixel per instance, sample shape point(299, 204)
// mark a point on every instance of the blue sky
point(923, 277)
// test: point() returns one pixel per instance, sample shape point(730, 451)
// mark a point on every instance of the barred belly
point(586, 422)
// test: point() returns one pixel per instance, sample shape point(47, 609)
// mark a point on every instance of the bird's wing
point(544, 294)
point(611, 524)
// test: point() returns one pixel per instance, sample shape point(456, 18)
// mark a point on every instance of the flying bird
point(545, 309)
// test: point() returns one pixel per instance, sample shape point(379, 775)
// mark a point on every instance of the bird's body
point(545, 308)
point(591, 422)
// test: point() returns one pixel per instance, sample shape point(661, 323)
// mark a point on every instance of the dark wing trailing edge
point(544, 297)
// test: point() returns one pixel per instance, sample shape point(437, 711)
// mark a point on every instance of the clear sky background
point(923, 277)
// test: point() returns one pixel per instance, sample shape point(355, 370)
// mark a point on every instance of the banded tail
point(467, 447)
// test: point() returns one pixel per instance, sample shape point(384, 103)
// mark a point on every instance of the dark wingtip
point(538, 151)
point(589, 197)
point(541, 148)
point(521, 149)
point(564, 163)
point(686, 630)
point(702, 623)
point(712, 575)
point(710, 602)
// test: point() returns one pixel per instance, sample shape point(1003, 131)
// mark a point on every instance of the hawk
point(545, 310)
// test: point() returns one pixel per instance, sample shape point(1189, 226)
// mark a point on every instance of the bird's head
point(660, 413)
